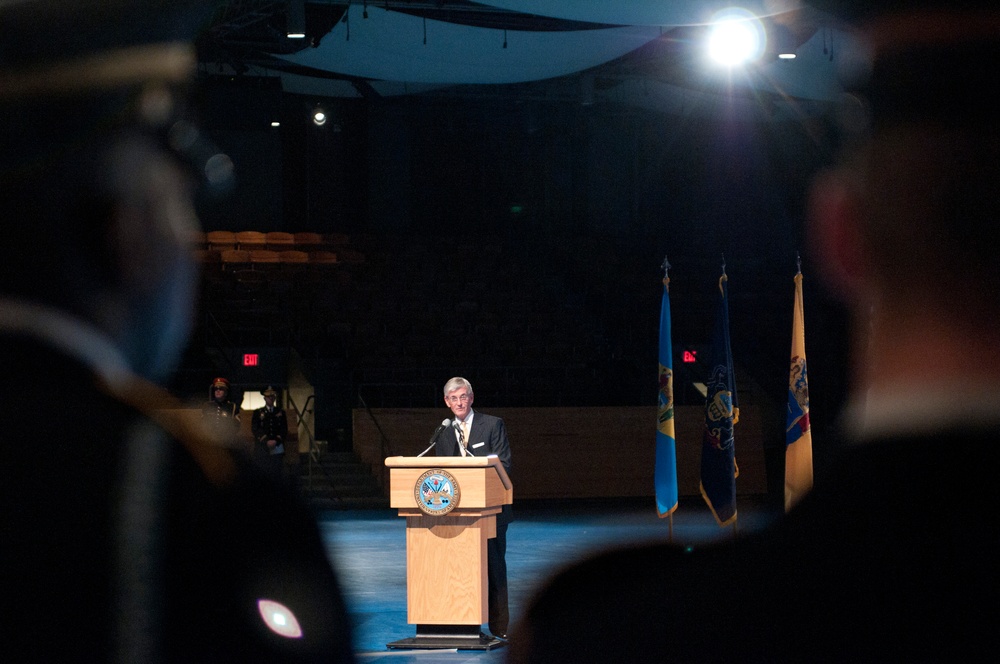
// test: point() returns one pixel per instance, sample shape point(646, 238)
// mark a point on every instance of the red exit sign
point(250, 359)
point(690, 357)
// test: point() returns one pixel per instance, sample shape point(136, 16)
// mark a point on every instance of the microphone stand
point(434, 437)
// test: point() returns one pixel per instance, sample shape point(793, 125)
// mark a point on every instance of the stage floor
point(368, 548)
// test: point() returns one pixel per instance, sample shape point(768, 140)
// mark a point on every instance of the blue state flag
point(718, 449)
point(665, 473)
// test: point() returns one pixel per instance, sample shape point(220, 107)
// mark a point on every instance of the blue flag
point(665, 474)
point(718, 450)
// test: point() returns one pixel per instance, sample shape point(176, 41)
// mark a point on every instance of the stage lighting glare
point(319, 118)
point(736, 37)
point(786, 56)
point(219, 169)
point(279, 619)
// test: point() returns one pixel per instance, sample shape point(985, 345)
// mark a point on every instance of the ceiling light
point(736, 37)
point(295, 19)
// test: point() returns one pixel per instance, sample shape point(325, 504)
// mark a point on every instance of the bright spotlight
point(736, 37)
point(319, 118)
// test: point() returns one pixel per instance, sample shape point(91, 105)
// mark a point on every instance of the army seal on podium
point(436, 492)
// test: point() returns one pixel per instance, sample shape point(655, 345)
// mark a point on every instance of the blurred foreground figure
point(126, 536)
point(888, 556)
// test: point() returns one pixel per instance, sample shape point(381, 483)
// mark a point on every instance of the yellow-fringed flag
point(798, 437)
point(718, 449)
point(665, 471)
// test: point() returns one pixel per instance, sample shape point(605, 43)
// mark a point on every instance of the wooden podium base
point(450, 505)
point(439, 637)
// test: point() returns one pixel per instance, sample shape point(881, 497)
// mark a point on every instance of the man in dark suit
point(127, 535)
point(477, 434)
point(887, 556)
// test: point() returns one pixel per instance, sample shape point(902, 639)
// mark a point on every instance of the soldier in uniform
point(128, 536)
point(221, 415)
point(269, 427)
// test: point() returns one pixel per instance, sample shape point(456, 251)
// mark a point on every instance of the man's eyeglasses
point(459, 399)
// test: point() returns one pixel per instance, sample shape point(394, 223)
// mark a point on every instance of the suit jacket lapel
point(476, 434)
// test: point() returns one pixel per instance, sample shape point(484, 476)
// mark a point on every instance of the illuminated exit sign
point(690, 357)
point(250, 359)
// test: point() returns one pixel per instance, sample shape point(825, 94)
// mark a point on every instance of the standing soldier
point(145, 542)
point(270, 426)
point(221, 415)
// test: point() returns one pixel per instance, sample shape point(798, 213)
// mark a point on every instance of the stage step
point(339, 481)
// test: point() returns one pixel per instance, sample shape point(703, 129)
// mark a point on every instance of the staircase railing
point(385, 445)
point(314, 451)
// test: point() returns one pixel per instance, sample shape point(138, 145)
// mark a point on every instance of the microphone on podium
point(444, 423)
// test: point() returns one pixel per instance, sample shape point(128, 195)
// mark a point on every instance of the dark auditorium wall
point(236, 112)
point(574, 452)
point(585, 202)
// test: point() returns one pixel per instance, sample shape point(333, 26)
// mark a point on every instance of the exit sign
point(250, 359)
point(690, 357)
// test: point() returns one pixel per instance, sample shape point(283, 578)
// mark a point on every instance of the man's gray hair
point(455, 383)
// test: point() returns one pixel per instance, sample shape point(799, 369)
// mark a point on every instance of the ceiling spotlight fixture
point(295, 19)
point(736, 37)
point(319, 117)
point(782, 42)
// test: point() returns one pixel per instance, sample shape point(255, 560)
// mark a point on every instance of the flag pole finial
point(723, 263)
point(798, 261)
point(666, 268)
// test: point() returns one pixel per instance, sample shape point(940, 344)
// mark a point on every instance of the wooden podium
point(450, 505)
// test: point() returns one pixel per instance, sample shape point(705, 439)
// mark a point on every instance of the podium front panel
point(444, 557)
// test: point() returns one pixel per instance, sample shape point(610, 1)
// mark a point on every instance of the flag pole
point(798, 433)
point(725, 277)
point(666, 284)
point(718, 463)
